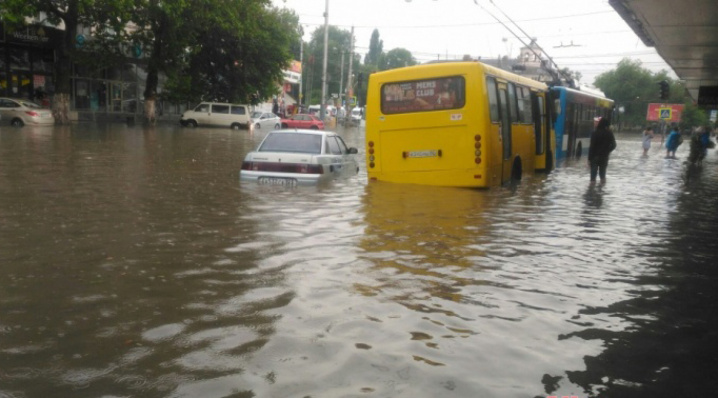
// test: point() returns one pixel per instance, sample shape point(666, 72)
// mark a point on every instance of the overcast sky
point(584, 35)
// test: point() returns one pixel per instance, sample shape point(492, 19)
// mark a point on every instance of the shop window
point(113, 73)
point(82, 94)
point(3, 83)
point(98, 95)
point(116, 95)
point(19, 59)
point(42, 61)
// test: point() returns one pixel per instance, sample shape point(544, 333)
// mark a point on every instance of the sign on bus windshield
point(423, 95)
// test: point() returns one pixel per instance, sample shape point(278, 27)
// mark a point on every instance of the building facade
point(27, 63)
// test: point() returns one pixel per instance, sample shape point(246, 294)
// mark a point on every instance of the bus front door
point(506, 163)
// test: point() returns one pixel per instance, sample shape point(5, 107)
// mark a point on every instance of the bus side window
point(493, 99)
point(512, 103)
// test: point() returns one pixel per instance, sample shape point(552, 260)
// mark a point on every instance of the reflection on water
point(135, 264)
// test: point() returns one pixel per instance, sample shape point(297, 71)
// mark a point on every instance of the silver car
point(299, 157)
point(19, 112)
point(266, 121)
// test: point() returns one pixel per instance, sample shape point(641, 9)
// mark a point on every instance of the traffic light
point(665, 89)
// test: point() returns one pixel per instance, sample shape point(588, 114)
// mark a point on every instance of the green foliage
point(396, 58)
point(693, 116)
point(376, 48)
point(239, 49)
point(339, 41)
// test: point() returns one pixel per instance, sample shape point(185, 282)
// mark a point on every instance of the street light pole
point(322, 107)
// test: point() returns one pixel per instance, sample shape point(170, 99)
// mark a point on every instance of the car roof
point(304, 131)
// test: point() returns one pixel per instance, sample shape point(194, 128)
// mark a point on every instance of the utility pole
point(350, 88)
point(341, 80)
point(323, 106)
point(301, 62)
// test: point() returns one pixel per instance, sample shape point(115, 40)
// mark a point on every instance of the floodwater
point(134, 264)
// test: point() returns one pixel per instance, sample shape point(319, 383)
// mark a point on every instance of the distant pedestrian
point(673, 141)
point(603, 142)
point(647, 138)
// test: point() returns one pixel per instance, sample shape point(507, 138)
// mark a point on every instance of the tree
point(240, 51)
point(339, 41)
point(692, 116)
point(397, 58)
point(376, 48)
point(165, 29)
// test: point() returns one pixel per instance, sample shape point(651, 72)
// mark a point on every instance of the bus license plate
point(422, 154)
point(290, 182)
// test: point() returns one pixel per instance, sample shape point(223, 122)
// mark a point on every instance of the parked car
point(234, 116)
point(266, 120)
point(303, 121)
point(299, 157)
point(19, 112)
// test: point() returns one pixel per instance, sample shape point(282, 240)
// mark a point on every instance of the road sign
point(353, 101)
point(665, 113)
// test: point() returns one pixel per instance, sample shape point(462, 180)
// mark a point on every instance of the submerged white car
point(299, 157)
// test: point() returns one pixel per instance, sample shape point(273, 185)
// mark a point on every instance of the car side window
point(202, 108)
point(334, 148)
point(342, 145)
point(239, 110)
point(223, 109)
point(8, 104)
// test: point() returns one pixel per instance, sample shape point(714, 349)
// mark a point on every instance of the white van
point(356, 115)
point(234, 116)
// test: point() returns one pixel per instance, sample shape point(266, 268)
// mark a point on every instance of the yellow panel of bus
point(463, 124)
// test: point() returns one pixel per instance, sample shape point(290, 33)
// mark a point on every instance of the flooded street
point(134, 264)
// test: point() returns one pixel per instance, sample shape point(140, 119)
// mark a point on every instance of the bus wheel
point(579, 151)
point(516, 170)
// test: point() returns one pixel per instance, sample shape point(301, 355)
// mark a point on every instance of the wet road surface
point(134, 264)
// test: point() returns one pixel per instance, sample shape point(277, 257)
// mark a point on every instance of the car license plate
point(290, 182)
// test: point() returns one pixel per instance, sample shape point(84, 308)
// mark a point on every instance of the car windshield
point(256, 115)
point(295, 142)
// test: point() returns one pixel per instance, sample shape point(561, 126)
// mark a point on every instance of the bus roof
point(445, 67)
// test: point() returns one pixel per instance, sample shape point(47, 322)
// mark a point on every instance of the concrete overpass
point(685, 34)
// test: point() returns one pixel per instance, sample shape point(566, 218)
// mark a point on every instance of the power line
point(461, 25)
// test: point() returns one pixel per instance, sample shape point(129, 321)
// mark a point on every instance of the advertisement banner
point(669, 113)
point(294, 74)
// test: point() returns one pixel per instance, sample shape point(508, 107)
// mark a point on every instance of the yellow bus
point(463, 124)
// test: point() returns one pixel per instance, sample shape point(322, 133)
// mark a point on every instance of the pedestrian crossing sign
point(664, 113)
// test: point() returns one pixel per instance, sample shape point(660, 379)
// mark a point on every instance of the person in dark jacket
point(602, 144)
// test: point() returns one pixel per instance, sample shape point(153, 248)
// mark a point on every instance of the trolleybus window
point(423, 95)
point(541, 119)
